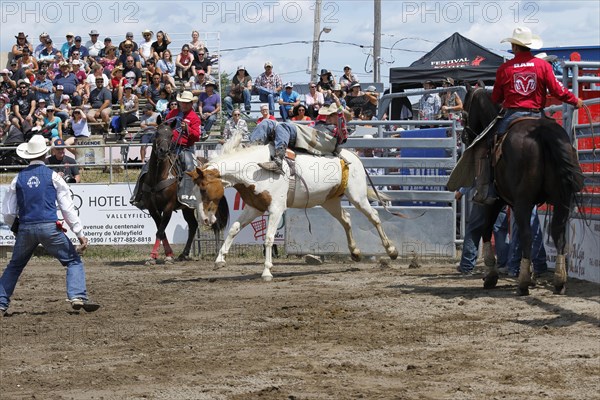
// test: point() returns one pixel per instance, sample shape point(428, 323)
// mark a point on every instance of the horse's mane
point(239, 153)
point(234, 144)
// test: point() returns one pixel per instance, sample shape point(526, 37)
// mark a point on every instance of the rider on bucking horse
point(521, 86)
point(185, 134)
point(324, 137)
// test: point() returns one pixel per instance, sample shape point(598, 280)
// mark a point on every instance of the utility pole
point(377, 42)
point(316, 36)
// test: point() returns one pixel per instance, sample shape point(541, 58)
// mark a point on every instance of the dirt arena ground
point(333, 331)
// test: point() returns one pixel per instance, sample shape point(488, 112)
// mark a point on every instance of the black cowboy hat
point(21, 35)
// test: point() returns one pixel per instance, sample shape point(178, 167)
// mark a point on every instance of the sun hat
point(186, 97)
point(268, 64)
point(63, 63)
point(65, 97)
point(289, 85)
point(211, 83)
point(60, 87)
point(449, 81)
point(128, 86)
point(129, 34)
point(347, 66)
point(354, 84)
point(146, 31)
point(41, 100)
point(70, 34)
point(523, 36)
point(21, 35)
point(546, 57)
point(44, 34)
point(149, 106)
point(337, 87)
point(33, 149)
point(50, 108)
point(241, 67)
point(331, 109)
point(24, 81)
point(324, 72)
point(76, 62)
point(371, 89)
point(93, 32)
point(4, 98)
point(5, 71)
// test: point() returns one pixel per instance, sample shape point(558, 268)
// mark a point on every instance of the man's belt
point(522, 109)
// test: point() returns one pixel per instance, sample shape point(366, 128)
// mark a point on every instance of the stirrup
point(271, 166)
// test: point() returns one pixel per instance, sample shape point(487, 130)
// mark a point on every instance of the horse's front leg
point(248, 215)
point(160, 234)
point(275, 215)
point(192, 223)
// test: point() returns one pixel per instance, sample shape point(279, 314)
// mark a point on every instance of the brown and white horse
point(264, 191)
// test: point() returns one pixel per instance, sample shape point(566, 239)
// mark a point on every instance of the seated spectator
point(117, 81)
point(24, 106)
point(339, 91)
point(162, 105)
point(241, 84)
point(325, 85)
point(22, 42)
point(108, 43)
point(84, 85)
point(80, 127)
point(183, 63)
point(202, 62)
point(196, 84)
point(63, 110)
point(7, 85)
point(196, 45)
point(17, 73)
point(41, 45)
point(451, 103)
point(314, 100)
point(4, 116)
point(299, 113)
point(167, 67)
point(171, 92)
point(42, 87)
point(173, 105)
point(357, 100)
point(289, 99)
point(101, 103)
point(93, 45)
point(430, 103)
point(372, 100)
point(235, 125)
point(160, 45)
point(27, 60)
point(133, 76)
point(64, 165)
point(48, 52)
point(124, 43)
point(69, 83)
point(68, 44)
point(264, 114)
point(109, 60)
point(145, 48)
point(269, 85)
point(55, 65)
point(209, 106)
point(129, 109)
point(153, 91)
point(148, 123)
point(348, 78)
point(90, 80)
point(52, 119)
point(151, 69)
point(77, 58)
point(82, 51)
point(128, 54)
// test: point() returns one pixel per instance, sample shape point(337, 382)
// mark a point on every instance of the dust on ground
point(334, 331)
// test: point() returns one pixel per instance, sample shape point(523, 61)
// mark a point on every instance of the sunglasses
point(301, 109)
point(200, 54)
point(75, 53)
point(23, 87)
point(236, 114)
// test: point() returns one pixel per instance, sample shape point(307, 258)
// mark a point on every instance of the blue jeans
point(57, 244)
point(268, 130)
point(284, 111)
point(511, 115)
point(538, 252)
point(473, 233)
point(268, 96)
point(228, 101)
point(208, 123)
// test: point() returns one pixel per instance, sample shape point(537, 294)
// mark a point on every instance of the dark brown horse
point(159, 193)
point(538, 165)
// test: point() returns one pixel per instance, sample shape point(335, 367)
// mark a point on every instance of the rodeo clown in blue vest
point(30, 207)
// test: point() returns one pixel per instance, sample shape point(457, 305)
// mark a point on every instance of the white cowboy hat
point(34, 148)
point(546, 57)
point(332, 109)
point(186, 97)
point(523, 37)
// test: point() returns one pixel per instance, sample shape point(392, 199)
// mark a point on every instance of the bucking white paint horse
point(325, 181)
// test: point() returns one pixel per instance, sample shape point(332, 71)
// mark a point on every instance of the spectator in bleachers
point(51, 119)
point(94, 45)
point(117, 81)
point(22, 42)
point(108, 44)
point(64, 165)
point(49, 51)
point(145, 48)
point(264, 114)
point(101, 103)
point(348, 78)
point(339, 91)
point(70, 36)
point(80, 74)
point(269, 85)
point(197, 84)
point(109, 60)
point(90, 81)
point(128, 53)
point(4, 117)
point(41, 45)
point(299, 113)
point(63, 110)
point(69, 83)
point(325, 85)
point(27, 60)
point(79, 125)
point(241, 84)
point(162, 105)
point(40, 109)
point(234, 125)
point(450, 100)
point(430, 103)
point(129, 109)
point(17, 72)
point(209, 105)
point(153, 91)
point(372, 100)
point(133, 76)
point(167, 67)
point(77, 57)
point(124, 43)
point(24, 105)
point(160, 45)
point(171, 92)
point(289, 99)
point(202, 62)
point(196, 45)
point(183, 63)
point(314, 100)
point(7, 85)
point(42, 87)
point(148, 123)
point(151, 69)
point(359, 101)
point(55, 65)
point(82, 51)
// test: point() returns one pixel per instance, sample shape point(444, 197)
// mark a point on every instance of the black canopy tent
point(456, 57)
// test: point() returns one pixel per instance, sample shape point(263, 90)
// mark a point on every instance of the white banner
point(109, 219)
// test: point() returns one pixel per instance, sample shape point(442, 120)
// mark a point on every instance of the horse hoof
point(560, 289)
point(219, 265)
point(490, 281)
point(393, 254)
point(183, 257)
point(169, 260)
point(267, 278)
point(523, 291)
point(355, 256)
point(151, 261)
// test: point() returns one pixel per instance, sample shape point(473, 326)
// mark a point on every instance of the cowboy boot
point(483, 181)
point(185, 188)
point(276, 164)
point(137, 199)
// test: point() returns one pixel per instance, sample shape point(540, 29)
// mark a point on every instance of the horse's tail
point(559, 150)
point(372, 195)
point(222, 215)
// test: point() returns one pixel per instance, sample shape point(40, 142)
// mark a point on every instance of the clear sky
point(252, 32)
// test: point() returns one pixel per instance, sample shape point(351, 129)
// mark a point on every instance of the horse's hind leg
point(489, 258)
point(558, 231)
point(334, 207)
point(247, 216)
point(190, 218)
point(365, 207)
point(522, 213)
point(274, 218)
